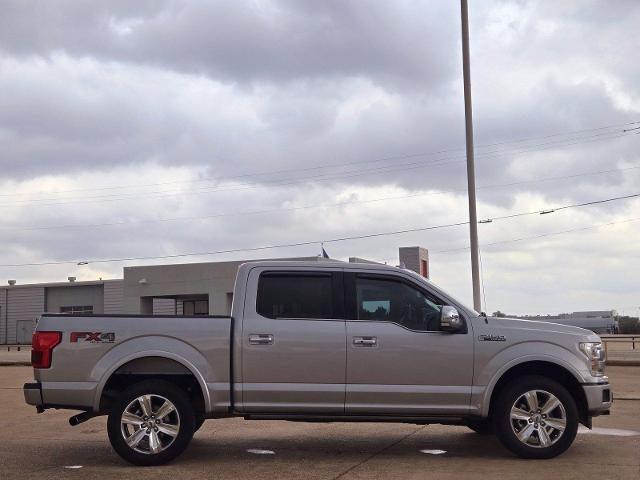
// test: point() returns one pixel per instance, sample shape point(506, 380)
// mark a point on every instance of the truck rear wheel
point(151, 423)
point(535, 417)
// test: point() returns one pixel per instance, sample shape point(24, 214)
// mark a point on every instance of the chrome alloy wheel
point(538, 418)
point(149, 424)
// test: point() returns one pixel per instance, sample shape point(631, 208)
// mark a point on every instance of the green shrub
point(628, 325)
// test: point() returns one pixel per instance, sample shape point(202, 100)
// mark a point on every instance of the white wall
point(25, 304)
point(113, 294)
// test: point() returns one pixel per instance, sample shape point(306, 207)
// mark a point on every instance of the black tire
point(502, 421)
point(199, 422)
point(481, 426)
point(183, 412)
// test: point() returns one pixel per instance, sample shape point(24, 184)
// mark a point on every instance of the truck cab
point(350, 341)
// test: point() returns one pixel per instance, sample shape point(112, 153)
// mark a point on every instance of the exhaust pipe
point(81, 418)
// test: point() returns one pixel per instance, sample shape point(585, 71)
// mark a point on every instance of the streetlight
point(471, 174)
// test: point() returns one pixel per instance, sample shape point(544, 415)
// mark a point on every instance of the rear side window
point(292, 295)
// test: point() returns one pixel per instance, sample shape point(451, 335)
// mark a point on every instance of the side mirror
point(450, 320)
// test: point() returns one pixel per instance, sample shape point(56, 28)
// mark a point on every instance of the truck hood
point(538, 326)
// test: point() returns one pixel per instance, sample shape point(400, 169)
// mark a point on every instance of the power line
point(237, 250)
point(306, 207)
point(557, 209)
point(358, 172)
point(341, 164)
point(355, 173)
point(310, 242)
point(553, 135)
point(316, 178)
point(542, 235)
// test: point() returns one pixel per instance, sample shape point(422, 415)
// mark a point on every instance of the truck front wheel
point(535, 417)
point(481, 426)
point(151, 423)
point(199, 422)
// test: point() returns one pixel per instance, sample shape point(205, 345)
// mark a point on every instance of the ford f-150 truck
point(321, 341)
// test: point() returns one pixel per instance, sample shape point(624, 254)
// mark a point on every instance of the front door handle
point(261, 339)
point(365, 341)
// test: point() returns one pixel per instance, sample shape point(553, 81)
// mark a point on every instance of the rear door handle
point(365, 341)
point(261, 339)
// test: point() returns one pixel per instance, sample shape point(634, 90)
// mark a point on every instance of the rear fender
point(147, 346)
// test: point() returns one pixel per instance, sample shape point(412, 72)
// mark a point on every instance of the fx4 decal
point(93, 337)
point(492, 338)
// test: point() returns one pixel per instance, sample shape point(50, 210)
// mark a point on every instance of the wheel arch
point(153, 363)
point(553, 369)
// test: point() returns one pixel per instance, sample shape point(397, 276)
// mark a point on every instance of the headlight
point(595, 354)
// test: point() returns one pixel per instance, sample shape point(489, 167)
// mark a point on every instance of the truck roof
point(326, 263)
point(337, 264)
point(332, 264)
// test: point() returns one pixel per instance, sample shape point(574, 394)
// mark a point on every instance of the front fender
point(140, 347)
point(494, 368)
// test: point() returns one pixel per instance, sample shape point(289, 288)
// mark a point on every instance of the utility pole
point(471, 173)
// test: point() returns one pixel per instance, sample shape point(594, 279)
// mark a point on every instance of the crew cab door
point(293, 341)
point(398, 361)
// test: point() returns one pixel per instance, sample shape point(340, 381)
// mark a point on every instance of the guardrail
point(16, 347)
point(611, 343)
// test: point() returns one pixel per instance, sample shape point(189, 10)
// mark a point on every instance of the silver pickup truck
point(311, 341)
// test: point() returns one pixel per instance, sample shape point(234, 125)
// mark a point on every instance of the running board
point(426, 420)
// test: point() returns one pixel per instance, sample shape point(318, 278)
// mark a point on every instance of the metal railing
point(16, 347)
point(612, 342)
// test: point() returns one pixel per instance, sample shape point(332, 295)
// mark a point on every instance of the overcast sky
point(149, 128)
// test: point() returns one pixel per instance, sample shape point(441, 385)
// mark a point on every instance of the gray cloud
point(245, 41)
point(300, 65)
point(97, 96)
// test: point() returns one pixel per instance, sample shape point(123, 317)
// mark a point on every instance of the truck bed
point(94, 347)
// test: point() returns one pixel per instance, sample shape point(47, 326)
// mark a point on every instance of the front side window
point(293, 295)
point(394, 301)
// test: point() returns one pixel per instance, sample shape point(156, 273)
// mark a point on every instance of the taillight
point(42, 345)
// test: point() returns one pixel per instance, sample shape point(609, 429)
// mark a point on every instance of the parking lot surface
point(45, 446)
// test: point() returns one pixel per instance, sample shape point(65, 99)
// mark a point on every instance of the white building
point(189, 289)
point(598, 321)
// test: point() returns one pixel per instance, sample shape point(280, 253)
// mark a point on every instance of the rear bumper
point(599, 398)
point(33, 394)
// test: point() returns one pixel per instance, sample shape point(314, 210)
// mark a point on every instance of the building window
point(77, 310)
point(293, 295)
point(195, 307)
point(424, 268)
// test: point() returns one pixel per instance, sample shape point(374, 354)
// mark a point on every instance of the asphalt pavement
point(44, 446)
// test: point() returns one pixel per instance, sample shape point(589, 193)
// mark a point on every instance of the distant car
point(321, 342)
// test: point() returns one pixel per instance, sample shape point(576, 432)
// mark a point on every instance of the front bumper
point(33, 395)
point(599, 398)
